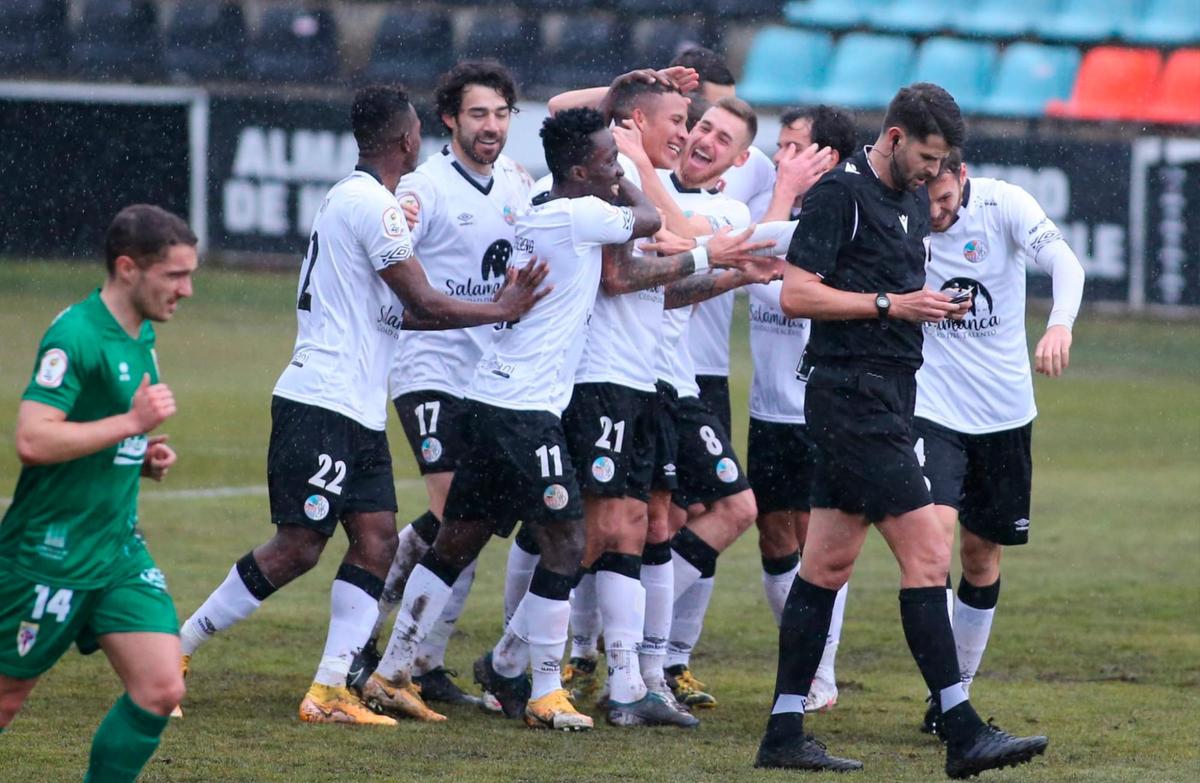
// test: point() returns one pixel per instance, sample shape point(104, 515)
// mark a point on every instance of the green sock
point(125, 741)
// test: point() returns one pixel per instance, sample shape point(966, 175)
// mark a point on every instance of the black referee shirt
point(859, 235)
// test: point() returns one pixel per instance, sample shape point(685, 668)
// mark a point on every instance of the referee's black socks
point(802, 633)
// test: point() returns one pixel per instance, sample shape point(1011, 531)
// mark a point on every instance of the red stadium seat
point(1114, 83)
point(1177, 98)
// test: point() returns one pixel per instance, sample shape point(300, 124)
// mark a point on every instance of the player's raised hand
point(667, 243)
point(521, 290)
point(799, 169)
point(1053, 352)
point(152, 404)
point(159, 458)
point(681, 77)
point(737, 250)
point(924, 306)
point(411, 212)
point(628, 137)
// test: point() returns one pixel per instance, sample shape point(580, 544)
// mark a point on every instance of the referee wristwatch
point(883, 306)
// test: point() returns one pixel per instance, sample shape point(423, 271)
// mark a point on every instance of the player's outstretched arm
point(45, 437)
point(1053, 352)
point(805, 295)
point(427, 309)
point(623, 273)
point(683, 79)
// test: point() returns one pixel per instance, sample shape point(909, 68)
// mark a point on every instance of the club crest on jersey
point(510, 215)
point(555, 497)
point(727, 470)
point(603, 469)
point(975, 251)
point(26, 636)
point(431, 450)
point(316, 507)
point(53, 369)
point(123, 371)
point(131, 451)
point(155, 578)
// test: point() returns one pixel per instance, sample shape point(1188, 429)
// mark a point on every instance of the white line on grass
point(205, 493)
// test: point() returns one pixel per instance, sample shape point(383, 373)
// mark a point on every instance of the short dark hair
point(486, 73)
point(145, 233)
point(696, 108)
point(743, 111)
point(711, 66)
point(624, 98)
point(924, 109)
point(375, 107)
point(953, 162)
point(567, 139)
point(832, 126)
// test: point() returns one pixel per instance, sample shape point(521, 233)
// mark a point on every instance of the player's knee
point(563, 546)
point(160, 694)
point(739, 510)
point(10, 705)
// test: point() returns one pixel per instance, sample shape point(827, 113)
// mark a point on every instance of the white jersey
point(619, 325)
point(673, 362)
point(752, 183)
point(348, 319)
point(708, 335)
point(531, 363)
point(776, 345)
point(976, 378)
point(464, 239)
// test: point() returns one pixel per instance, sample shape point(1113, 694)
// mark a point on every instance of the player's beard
point(467, 143)
point(903, 180)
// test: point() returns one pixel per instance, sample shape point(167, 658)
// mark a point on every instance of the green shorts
point(39, 621)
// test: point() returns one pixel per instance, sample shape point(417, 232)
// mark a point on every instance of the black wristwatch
point(883, 306)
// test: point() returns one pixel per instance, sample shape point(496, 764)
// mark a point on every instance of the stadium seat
point(1087, 21)
point(761, 10)
point(117, 39)
point(294, 45)
point(659, 40)
point(785, 66)
point(205, 41)
point(1003, 18)
point(412, 47)
point(963, 68)
point(512, 38)
point(591, 50)
point(915, 16)
point(1030, 75)
point(32, 34)
point(1114, 83)
point(830, 14)
point(647, 7)
point(867, 70)
point(1177, 97)
point(1165, 22)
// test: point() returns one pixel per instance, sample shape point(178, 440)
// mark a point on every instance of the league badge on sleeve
point(52, 369)
point(393, 222)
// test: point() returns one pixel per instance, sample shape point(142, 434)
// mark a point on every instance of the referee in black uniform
point(857, 269)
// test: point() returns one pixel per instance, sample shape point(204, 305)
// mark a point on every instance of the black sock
point(696, 551)
point(979, 597)
point(426, 526)
point(629, 566)
point(252, 576)
point(657, 554)
point(361, 578)
point(781, 565)
point(447, 572)
point(802, 633)
point(931, 641)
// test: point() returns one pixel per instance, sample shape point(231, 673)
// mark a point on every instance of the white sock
point(688, 620)
point(431, 653)
point(352, 613)
point(410, 549)
point(686, 574)
point(825, 669)
point(517, 575)
point(427, 591)
point(659, 583)
point(972, 627)
point(545, 628)
point(777, 587)
point(585, 618)
point(623, 606)
point(510, 656)
point(228, 605)
point(950, 599)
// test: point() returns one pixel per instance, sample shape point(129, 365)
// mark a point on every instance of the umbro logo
point(904, 223)
point(466, 219)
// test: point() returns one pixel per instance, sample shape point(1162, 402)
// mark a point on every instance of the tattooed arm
point(623, 273)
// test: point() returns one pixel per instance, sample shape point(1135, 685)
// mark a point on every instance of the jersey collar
point(466, 175)
point(680, 188)
point(371, 170)
point(966, 192)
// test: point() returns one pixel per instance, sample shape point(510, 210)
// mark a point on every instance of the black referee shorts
point(779, 463)
point(860, 421)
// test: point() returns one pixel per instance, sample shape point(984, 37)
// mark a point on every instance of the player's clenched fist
point(152, 404)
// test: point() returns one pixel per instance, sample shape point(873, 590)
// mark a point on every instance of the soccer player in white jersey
point(465, 200)
point(516, 464)
point(975, 408)
point(328, 458)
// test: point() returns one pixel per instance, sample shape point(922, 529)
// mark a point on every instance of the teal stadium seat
point(1029, 76)
point(963, 68)
point(867, 70)
point(1003, 18)
point(830, 14)
point(785, 66)
point(1165, 22)
point(1088, 21)
point(916, 16)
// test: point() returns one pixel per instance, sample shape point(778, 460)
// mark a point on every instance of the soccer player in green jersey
point(73, 567)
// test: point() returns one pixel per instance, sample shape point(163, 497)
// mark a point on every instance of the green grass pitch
point(1096, 642)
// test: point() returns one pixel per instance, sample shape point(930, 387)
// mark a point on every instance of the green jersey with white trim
point(69, 521)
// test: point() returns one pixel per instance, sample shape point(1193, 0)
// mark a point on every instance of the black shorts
point(860, 421)
point(708, 468)
point(516, 466)
point(432, 422)
point(988, 478)
point(322, 466)
point(779, 461)
point(714, 393)
point(610, 429)
point(666, 439)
